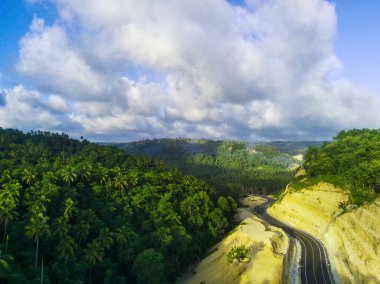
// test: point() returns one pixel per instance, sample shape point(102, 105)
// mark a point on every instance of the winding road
point(314, 263)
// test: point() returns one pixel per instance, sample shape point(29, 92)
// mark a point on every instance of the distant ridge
point(235, 166)
point(294, 147)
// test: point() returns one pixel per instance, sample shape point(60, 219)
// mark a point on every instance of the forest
point(351, 160)
point(75, 212)
point(233, 167)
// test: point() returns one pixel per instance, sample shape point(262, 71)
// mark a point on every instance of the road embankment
point(269, 252)
point(351, 237)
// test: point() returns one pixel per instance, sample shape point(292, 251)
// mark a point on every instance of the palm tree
point(93, 254)
point(119, 181)
point(105, 240)
point(49, 177)
point(68, 174)
point(28, 177)
point(132, 179)
point(61, 227)
point(11, 191)
point(103, 176)
point(66, 247)
point(5, 260)
point(37, 203)
point(82, 230)
point(69, 208)
point(85, 170)
point(167, 175)
point(36, 229)
point(8, 212)
point(121, 235)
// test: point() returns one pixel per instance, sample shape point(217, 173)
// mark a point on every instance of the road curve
point(314, 262)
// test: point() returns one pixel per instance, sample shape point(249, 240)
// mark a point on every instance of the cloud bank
point(126, 70)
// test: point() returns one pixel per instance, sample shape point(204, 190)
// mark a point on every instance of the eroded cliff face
point(268, 249)
point(352, 238)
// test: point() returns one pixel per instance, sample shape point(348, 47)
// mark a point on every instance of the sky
point(255, 70)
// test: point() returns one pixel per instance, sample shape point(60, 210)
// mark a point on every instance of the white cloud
point(22, 109)
point(49, 62)
point(123, 68)
point(57, 103)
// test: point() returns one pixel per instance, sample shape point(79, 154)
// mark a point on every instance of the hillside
point(269, 251)
point(294, 148)
point(351, 161)
point(350, 237)
point(75, 212)
point(232, 166)
point(336, 198)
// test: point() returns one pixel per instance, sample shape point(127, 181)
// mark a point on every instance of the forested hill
point(232, 166)
point(77, 212)
point(294, 148)
point(350, 161)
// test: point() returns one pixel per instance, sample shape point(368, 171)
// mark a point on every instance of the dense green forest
point(351, 161)
point(75, 212)
point(233, 167)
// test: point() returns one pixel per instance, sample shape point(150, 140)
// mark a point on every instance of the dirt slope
point(351, 238)
point(268, 246)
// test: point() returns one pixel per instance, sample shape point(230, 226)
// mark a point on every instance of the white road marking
point(318, 244)
point(308, 237)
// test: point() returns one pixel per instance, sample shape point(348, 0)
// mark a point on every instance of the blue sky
point(15, 19)
point(358, 41)
point(159, 82)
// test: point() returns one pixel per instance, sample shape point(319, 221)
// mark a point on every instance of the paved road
point(314, 261)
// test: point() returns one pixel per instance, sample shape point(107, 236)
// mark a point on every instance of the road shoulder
point(269, 248)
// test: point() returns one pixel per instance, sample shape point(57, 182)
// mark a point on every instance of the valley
point(189, 142)
point(130, 218)
point(233, 167)
point(333, 218)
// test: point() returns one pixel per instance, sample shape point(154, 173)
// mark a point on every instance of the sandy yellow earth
point(299, 157)
point(268, 247)
point(352, 238)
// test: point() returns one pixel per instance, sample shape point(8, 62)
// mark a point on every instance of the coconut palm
point(10, 191)
point(93, 254)
point(105, 238)
point(68, 174)
point(8, 213)
point(82, 230)
point(85, 171)
point(61, 227)
point(120, 182)
point(29, 177)
point(66, 247)
point(103, 176)
point(37, 228)
point(69, 208)
point(5, 260)
point(121, 235)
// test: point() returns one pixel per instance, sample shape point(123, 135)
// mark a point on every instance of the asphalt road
point(314, 261)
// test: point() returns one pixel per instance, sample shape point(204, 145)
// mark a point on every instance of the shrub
point(237, 252)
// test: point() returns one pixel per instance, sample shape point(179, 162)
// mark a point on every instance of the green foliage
point(233, 167)
point(96, 214)
point(149, 267)
point(237, 252)
point(351, 160)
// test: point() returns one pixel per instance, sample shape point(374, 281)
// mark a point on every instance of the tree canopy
point(233, 167)
point(350, 160)
point(96, 214)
